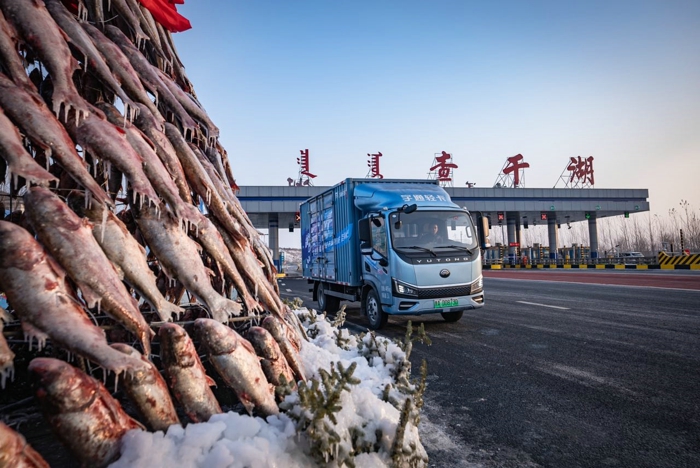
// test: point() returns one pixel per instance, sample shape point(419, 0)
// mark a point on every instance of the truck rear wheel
point(452, 316)
point(376, 316)
point(326, 303)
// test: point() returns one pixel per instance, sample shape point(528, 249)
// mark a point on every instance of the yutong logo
point(441, 260)
point(444, 273)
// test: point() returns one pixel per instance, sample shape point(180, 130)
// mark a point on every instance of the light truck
point(399, 247)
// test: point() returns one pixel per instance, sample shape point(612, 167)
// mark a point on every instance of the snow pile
point(358, 408)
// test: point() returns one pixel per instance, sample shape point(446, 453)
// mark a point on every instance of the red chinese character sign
point(305, 176)
point(373, 164)
point(442, 169)
point(513, 173)
point(580, 173)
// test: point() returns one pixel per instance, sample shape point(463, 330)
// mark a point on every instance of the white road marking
point(288, 290)
point(543, 305)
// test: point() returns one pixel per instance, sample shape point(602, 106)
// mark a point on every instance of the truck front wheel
point(376, 316)
point(326, 303)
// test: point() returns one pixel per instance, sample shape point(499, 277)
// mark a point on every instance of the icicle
point(140, 202)
point(116, 381)
point(134, 197)
point(102, 226)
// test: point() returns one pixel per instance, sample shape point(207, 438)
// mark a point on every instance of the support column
point(593, 235)
point(273, 237)
point(553, 237)
point(512, 239)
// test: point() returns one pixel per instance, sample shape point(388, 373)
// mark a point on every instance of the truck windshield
point(434, 230)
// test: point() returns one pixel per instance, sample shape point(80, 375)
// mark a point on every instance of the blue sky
point(616, 80)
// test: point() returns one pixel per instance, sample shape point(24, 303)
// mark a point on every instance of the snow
point(235, 440)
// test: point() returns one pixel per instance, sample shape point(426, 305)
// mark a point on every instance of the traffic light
point(543, 216)
point(627, 214)
point(525, 223)
point(588, 215)
point(501, 216)
point(297, 217)
point(291, 227)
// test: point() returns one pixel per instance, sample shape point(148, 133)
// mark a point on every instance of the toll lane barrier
point(695, 266)
point(674, 262)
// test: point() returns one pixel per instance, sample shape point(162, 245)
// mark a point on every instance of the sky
point(483, 81)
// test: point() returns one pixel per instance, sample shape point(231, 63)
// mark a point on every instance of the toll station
point(277, 207)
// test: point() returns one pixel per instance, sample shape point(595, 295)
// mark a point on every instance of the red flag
point(165, 12)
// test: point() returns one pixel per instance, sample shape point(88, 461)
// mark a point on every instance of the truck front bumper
point(406, 306)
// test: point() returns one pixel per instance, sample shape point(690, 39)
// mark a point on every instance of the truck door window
point(379, 238)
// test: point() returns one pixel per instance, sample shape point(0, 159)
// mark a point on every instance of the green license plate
point(442, 303)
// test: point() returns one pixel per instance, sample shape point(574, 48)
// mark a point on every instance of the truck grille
point(449, 291)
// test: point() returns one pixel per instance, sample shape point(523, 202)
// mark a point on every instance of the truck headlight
point(478, 285)
point(403, 289)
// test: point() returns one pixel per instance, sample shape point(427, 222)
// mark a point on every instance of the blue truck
point(398, 246)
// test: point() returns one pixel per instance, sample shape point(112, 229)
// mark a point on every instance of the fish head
point(263, 343)
point(176, 345)
point(218, 338)
point(10, 443)
point(61, 387)
point(45, 208)
point(18, 249)
point(273, 325)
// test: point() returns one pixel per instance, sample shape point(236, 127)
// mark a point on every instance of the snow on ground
point(234, 440)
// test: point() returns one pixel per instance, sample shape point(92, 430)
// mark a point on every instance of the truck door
point(376, 266)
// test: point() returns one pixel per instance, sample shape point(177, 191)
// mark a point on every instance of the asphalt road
point(562, 372)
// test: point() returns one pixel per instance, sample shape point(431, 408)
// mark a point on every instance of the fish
point(81, 412)
point(180, 258)
point(149, 76)
point(192, 107)
point(153, 129)
point(82, 41)
point(37, 122)
point(288, 342)
point(16, 452)
point(124, 251)
point(249, 268)
point(96, 13)
point(38, 29)
point(36, 290)
point(69, 239)
point(7, 357)
point(19, 161)
point(121, 68)
point(185, 374)
point(11, 60)
point(235, 361)
point(210, 238)
point(166, 40)
point(125, 12)
point(153, 167)
point(149, 392)
point(107, 142)
point(273, 362)
point(238, 219)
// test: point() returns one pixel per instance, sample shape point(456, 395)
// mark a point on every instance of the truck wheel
point(375, 314)
point(326, 303)
point(451, 316)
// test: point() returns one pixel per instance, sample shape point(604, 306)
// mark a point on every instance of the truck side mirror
point(365, 233)
point(483, 228)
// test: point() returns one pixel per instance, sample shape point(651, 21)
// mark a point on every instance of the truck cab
point(401, 247)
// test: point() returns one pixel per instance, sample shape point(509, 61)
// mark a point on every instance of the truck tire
point(373, 307)
point(326, 303)
point(452, 316)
